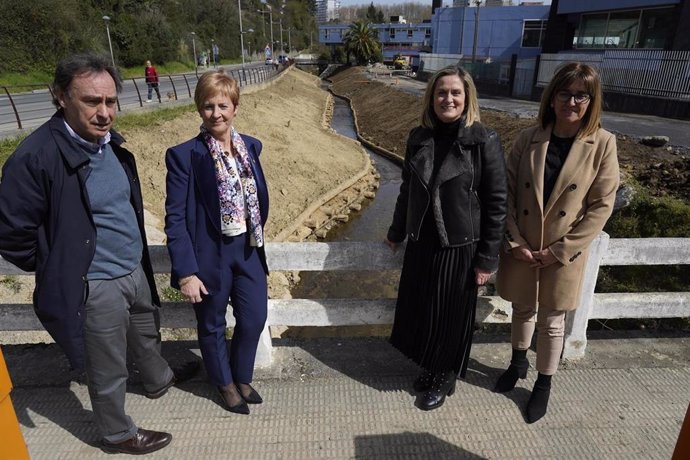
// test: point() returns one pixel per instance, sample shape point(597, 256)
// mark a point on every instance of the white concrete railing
point(358, 256)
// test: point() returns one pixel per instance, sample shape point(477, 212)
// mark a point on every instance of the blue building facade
point(503, 31)
point(396, 38)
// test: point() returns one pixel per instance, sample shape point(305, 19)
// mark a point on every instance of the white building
point(327, 10)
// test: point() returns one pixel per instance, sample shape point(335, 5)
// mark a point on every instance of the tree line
point(412, 12)
point(36, 34)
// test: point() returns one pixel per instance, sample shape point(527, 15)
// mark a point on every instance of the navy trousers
point(244, 285)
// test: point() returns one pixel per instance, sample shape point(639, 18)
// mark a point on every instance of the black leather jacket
point(468, 196)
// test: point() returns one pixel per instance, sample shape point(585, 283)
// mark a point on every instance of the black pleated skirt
point(437, 300)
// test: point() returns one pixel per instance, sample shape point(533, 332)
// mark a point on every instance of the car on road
point(269, 61)
point(282, 59)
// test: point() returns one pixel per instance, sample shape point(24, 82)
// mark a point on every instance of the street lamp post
point(282, 45)
point(196, 63)
point(289, 41)
point(106, 19)
point(239, 12)
point(270, 20)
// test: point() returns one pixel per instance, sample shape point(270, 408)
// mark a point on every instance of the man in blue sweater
point(71, 210)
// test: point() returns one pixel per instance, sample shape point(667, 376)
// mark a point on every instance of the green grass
point(124, 122)
point(648, 216)
point(12, 283)
point(150, 118)
point(18, 82)
point(7, 146)
point(34, 77)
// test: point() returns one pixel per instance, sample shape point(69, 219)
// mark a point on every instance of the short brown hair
point(216, 82)
point(471, 113)
point(565, 76)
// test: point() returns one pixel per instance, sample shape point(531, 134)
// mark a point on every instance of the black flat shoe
point(442, 386)
point(253, 397)
point(226, 394)
point(423, 382)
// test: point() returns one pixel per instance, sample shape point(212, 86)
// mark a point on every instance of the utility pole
point(477, 4)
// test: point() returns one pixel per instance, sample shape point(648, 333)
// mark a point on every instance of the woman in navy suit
point(216, 208)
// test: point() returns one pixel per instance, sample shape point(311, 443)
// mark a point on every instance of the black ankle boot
point(539, 400)
point(423, 382)
point(517, 370)
point(442, 386)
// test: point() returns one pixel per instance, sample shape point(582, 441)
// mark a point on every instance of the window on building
point(656, 29)
point(646, 28)
point(533, 33)
point(622, 29)
point(592, 30)
point(392, 34)
point(427, 33)
point(325, 34)
point(409, 33)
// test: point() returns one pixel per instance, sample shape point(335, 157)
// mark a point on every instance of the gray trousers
point(121, 314)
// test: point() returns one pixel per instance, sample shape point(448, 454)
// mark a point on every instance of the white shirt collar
point(96, 147)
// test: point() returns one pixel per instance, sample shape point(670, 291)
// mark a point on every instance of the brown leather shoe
point(143, 442)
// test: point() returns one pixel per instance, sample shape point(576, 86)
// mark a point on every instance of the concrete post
point(264, 352)
point(576, 321)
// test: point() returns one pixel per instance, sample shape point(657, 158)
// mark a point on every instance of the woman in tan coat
point(562, 181)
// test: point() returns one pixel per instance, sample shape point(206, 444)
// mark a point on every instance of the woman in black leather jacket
point(451, 208)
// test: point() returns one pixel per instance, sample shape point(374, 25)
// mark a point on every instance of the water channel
point(369, 224)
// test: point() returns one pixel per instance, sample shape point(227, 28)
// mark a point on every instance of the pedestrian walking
point(151, 81)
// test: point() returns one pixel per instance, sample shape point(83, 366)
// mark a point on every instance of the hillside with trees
point(412, 12)
point(37, 33)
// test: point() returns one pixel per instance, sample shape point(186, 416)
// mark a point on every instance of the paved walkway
point(351, 398)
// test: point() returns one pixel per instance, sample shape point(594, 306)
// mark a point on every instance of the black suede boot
point(516, 370)
point(539, 400)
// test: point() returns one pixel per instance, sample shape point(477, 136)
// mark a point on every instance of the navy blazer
point(192, 210)
point(46, 226)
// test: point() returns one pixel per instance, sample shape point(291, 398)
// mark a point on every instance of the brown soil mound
point(385, 117)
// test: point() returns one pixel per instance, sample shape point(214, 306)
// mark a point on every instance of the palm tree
point(362, 41)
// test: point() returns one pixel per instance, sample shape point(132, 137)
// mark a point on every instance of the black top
point(556, 155)
point(445, 134)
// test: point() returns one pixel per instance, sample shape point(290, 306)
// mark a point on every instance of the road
point(35, 107)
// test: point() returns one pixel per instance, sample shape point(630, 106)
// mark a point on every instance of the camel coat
point(579, 206)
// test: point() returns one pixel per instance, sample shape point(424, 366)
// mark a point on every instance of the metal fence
point(28, 106)
point(653, 73)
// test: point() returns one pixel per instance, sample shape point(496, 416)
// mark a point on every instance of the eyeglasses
point(580, 98)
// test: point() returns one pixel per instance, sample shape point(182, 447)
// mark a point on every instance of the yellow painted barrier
point(13, 445)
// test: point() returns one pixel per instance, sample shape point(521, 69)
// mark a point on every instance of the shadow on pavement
point(408, 445)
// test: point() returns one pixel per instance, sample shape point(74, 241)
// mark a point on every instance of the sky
point(390, 2)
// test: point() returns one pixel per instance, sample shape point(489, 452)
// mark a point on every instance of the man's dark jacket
point(467, 197)
point(46, 226)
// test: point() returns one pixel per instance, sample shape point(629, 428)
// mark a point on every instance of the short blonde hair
point(471, 113)
point(565, 76)
point(216, 82)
